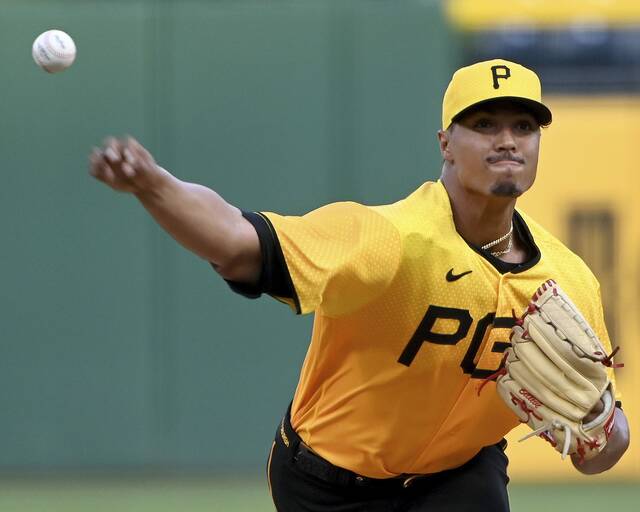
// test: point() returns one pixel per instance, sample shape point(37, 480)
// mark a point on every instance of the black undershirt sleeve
point(274, 276)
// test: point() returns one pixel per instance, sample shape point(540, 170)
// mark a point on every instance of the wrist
point(155, 187)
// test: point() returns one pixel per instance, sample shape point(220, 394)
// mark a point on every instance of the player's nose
point(505, 141)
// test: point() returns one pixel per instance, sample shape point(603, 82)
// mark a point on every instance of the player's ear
point(443, 140)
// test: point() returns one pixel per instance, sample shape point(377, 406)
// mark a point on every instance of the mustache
point(505, 156)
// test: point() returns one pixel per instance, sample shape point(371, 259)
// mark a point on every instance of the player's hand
point(126, 166)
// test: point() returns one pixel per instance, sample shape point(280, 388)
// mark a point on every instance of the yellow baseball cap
point(490, 80)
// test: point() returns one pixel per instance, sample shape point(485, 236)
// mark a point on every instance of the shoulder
point(342, 221)
point(339, 256)
point(420, 210)
point(430, 197)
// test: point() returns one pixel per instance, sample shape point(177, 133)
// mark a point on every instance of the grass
point(232, 495)
point(599, 497)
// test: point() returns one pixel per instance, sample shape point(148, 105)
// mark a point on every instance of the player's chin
point(511, 182)
point(507, 188)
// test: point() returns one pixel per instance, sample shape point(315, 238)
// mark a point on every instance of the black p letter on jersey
point(423, 332)
point(496, 76)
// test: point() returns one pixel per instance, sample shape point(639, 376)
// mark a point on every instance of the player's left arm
point(616, 446)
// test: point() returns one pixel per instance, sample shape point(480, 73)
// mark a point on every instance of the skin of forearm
point(612, 452)
point(195, 216)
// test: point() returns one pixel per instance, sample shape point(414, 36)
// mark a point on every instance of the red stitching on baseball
point(49, 46)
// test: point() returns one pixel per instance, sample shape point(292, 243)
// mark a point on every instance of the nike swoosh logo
point(451, 277)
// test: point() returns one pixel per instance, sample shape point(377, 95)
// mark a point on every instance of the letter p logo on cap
point(496, 76)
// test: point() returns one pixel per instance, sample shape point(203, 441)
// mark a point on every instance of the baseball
point(54, 51)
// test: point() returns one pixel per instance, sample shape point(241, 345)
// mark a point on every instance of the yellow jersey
point(409, 318)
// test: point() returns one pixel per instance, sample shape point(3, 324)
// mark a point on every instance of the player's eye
point(482, 124)
point(525, 126)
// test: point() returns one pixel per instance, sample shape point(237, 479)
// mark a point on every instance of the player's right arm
point(196, 216)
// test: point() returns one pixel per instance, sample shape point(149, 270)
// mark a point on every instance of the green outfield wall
point(118, 348)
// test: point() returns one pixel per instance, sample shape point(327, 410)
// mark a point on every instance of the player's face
point(494, 151)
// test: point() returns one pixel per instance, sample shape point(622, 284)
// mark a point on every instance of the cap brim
point(538, 110)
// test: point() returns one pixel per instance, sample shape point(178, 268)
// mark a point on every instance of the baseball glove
point(555, 373)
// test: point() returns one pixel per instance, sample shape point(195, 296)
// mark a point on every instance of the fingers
point(139, 154)
point(99, 168)
point(110, 166)
point(128, 157)
point(123, 164)
point(114, 152)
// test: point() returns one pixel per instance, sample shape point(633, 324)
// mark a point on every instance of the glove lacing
point(547, 429)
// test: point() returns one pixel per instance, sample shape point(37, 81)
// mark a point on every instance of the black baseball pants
point(301, 481)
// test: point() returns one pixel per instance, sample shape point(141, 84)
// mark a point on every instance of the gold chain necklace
point(509, 235)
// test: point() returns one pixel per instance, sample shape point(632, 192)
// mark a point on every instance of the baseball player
point(414, 308)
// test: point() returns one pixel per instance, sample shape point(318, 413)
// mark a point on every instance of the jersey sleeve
point(274, 278)
point(338, 257)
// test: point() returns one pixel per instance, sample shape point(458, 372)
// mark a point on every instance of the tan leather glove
point(555, 374)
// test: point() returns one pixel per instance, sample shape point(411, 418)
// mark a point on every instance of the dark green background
point(117, 347)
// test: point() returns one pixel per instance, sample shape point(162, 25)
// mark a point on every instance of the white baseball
point(54, 51)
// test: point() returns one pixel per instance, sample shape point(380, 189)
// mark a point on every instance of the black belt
point(311, 463)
